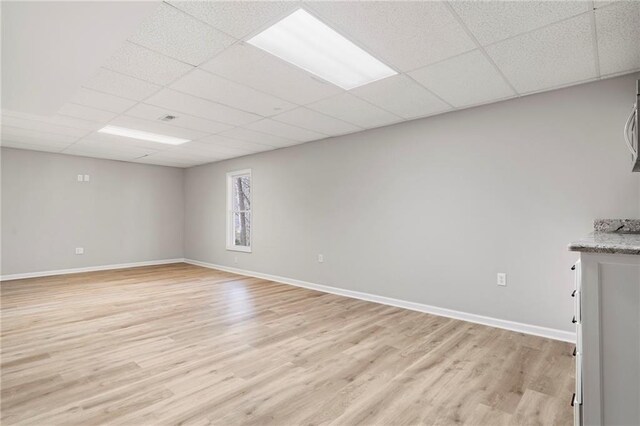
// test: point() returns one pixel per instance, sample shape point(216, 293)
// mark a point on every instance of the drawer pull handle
point(573, 268)
point(574, 320)
point(574, 293)
point(573, 399)
point(574, 351)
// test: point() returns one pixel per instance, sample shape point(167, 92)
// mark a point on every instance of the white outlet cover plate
point(502, 279)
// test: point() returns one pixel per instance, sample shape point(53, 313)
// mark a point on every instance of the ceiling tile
point(86, 113)
point(255, 68)
point(312, 120)
point(552, 56)
point(286, 131)
point(36, 137)
point(122, 143)
point(202, 108)
point(178, 155)
point(407, 35)
point(618, 30)
point(156, 127)
point(56, 125)
point(237, 18)
point(240, 145)
point(354, 110)
point(121, 85)
point(465, 80)
point(257, 137)
point(165, 163)
point(74, 122)
point(167, 160)
point(98, 153)
point(402, 96)
point(492, 21)
point(215, 149)
point(102, 101)
point(33, 145)
point(218, 89)
point(102, 149)
point(200, 152)
point(151, 112)
point(142, 63)
point(178, 35)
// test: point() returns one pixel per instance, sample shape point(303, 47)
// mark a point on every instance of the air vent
point(168, 118)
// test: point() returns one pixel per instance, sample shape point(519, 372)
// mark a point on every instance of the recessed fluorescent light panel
point(145, 136)
point(308, 43)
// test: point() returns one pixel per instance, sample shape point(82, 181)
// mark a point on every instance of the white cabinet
point(577, 319)
point(607, 319)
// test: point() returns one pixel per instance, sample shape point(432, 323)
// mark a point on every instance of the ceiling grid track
point(481, 48)
point(595, 38)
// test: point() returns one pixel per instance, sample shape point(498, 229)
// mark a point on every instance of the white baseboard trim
point(88, 269)
point(535, 330)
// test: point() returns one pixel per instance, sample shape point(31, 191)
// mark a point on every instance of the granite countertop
point(621, 236)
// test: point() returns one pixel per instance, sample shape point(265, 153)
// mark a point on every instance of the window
point(239, 210)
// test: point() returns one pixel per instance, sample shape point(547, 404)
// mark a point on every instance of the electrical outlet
point(80, 178)
point(235, 259)
point(502, 279)
point(320, 258)
point(86, 178)
point(79, 250)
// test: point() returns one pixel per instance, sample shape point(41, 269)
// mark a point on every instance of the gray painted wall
point(426, 211)
point(126, 213)
point(430, 210)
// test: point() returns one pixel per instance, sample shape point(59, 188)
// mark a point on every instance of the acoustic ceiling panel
point(553, 56)
point(173, 33)
point(468, 79)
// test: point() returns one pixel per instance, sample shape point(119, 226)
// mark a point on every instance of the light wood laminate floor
point(181, 344)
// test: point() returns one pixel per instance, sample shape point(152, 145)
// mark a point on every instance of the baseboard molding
point(88, 269)
point(420, 307)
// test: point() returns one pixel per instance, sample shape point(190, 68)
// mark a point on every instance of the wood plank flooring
point(180, 344)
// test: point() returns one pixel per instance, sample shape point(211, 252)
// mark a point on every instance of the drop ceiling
point(190, 60)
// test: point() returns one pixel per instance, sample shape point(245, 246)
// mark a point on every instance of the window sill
point(239, 248)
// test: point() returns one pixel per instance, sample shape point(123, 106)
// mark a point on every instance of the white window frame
point(230, 234)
